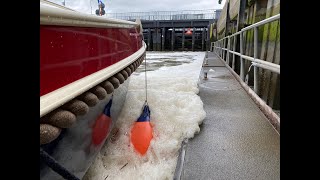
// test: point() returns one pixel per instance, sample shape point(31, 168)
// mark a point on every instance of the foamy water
point(176, 112)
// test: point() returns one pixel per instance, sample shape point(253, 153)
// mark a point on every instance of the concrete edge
point(179, 167)
point(273, 118)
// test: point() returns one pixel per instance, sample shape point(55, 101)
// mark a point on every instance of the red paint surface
point(101, 129)
point(71, 53)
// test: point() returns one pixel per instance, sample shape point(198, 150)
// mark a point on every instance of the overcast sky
point(113, 6)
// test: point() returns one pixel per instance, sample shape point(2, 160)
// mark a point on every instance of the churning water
point(176, 112)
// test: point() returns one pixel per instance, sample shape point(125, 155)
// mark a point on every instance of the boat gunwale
point(56, 15)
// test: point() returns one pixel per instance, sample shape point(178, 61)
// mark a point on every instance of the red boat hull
point(85, 61)
point(68, 54)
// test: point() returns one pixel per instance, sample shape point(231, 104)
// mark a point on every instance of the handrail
point(263, 22)
point(219, 46)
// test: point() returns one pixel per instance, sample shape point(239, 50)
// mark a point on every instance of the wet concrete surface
point(236, 140)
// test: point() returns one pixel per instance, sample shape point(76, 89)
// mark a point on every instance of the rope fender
point(66, 115)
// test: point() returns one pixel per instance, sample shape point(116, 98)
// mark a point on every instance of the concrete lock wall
point(232, 19)
point(271, 52)
point(222, 19)
point(234, 8)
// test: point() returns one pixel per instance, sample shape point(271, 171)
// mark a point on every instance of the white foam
point(176, 112)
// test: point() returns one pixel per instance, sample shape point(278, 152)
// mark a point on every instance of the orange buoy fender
point(102, 125)
point(141, 133)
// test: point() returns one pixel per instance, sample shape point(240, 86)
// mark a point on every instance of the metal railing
point(167, 15)
point(218, 48)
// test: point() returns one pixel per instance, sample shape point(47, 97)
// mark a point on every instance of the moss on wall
point(271, 52)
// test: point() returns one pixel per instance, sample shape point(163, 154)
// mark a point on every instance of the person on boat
point(101, 10)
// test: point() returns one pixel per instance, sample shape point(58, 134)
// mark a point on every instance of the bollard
point(205, 75)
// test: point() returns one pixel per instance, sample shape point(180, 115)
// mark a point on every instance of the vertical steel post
point(172, 39)
point(234, 50)
point(202, 39)
point(218, 49)
point(220, 45)
point(149, 38)
point(183, 30)
point(163, 38)
point(241, 59)
point(255, 49)
point(213, 47)
point(193, 37)
point(228, 47)
point(222, 49)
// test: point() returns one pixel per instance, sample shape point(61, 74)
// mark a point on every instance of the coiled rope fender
point(65, 116)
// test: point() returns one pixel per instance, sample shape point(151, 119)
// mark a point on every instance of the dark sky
point(141, 5)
